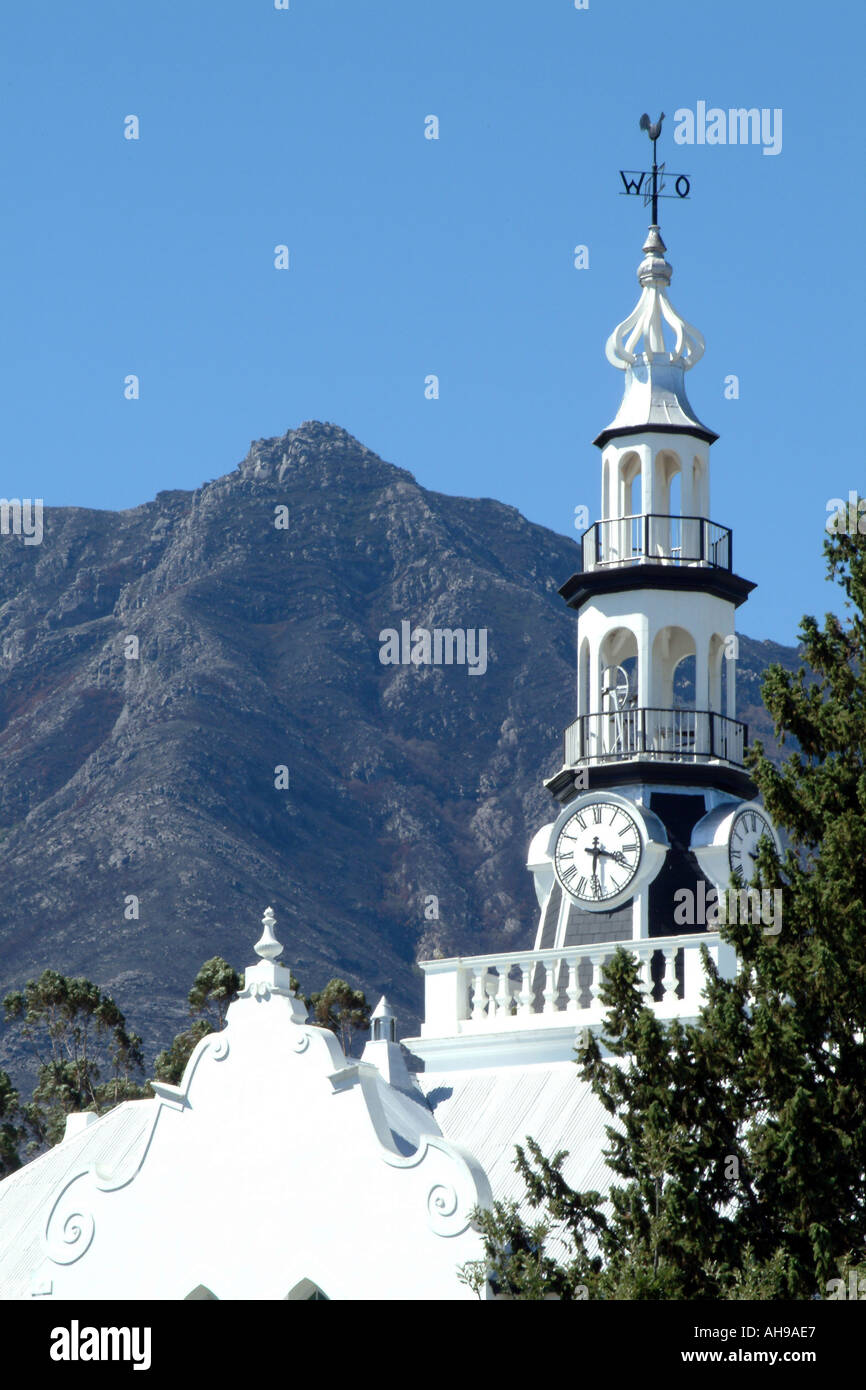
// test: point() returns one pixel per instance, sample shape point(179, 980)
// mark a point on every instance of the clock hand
point(595, 850)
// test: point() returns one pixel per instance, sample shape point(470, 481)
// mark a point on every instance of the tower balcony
point(658, 539)
point(538, 1000)
point(655, 735)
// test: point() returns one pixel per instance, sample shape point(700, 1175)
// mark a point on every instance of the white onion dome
point(654, 394)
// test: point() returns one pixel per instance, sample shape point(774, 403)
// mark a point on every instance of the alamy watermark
point(77, 1343)
point(846, 520)
point(712, 908)
point(854, 1289)
point(20, 516)
point(738, 125)
point(443, 646)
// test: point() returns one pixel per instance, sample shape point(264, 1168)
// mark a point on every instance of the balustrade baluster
point(644, 956)
point(670, 976)
point(597, 962)
point(551, 986)
point(646, 972)
point(525, 996)
point(503, 998)
point(573, 990)
point(490, 987)
point(479, 992)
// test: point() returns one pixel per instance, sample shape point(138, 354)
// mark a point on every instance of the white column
point(715, 678)
point(644, 636)
point(731, 692)
point(594, 671)
point(703, 498)
point(652, 687)
point(640, 915)
point(702, 670)
point(611, 474)
point(690, 531)
point(688, 497)
point(647, 477)
point(584, 658)
point(702, 740)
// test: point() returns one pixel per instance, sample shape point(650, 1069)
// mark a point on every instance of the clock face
point(747, 828)
point(597, 852)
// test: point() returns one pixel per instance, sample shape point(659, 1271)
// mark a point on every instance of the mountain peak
point(314, 444)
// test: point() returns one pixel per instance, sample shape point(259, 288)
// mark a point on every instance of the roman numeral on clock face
point(568, 874)
point(596, 815)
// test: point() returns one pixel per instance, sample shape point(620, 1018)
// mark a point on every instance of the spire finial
point(267, 946)
point(654, 309)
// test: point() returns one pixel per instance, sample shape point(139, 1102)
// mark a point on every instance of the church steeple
point(656, 806)
point(656, 747)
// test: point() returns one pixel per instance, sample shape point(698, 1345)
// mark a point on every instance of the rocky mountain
point(195, 722)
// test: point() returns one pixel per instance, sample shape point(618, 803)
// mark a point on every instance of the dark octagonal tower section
point(657, 588)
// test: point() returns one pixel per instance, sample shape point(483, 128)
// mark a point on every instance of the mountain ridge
point(153, 776)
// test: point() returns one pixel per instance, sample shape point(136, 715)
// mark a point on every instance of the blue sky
point(409, 256)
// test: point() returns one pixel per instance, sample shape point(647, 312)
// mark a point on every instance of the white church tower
point(658, 810)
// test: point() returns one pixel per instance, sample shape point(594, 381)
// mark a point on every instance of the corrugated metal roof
point(108, 1143)
point(488, 1112)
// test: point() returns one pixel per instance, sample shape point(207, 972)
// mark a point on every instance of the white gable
point(276, 1164)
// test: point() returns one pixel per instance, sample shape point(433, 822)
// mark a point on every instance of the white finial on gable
point(267, 978)
point(267, 946)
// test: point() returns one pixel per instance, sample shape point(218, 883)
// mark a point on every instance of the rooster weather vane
point(651, 190)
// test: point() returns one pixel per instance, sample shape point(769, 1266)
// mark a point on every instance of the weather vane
point(652, 190)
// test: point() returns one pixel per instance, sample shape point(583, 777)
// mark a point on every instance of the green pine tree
point(215, 986)
point(11, 1132)
point(88, 1059)
point(213, 989)
point(738, 1143)
point(342, 1009)
point(170, 1064)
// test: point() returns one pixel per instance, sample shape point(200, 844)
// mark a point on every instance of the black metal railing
point(656, 538)
point(672, 735)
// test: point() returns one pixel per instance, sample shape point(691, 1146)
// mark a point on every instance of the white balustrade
point(499, 993)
